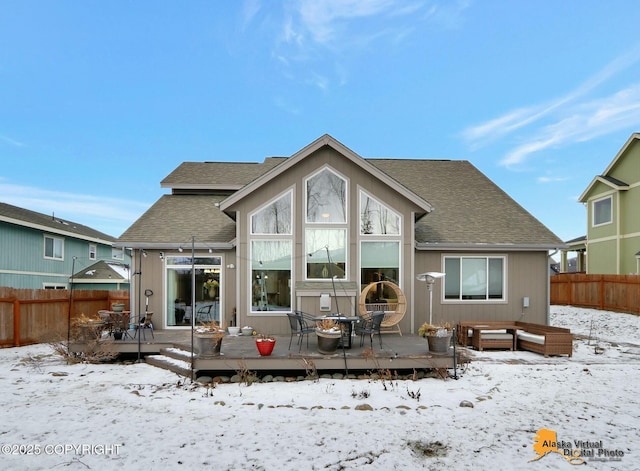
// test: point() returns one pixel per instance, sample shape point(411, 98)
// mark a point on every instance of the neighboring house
point(109, 275)
point(613, 214)
point(39, 251)
point(309, 232)
point(577, 263)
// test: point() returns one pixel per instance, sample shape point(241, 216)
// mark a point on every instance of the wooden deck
point(404, 353)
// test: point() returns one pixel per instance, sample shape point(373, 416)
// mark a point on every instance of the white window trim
point(400, 255)
point(593, 211)
point(264, 206)
point(382, 202)
point(251, 312)
point(505, 280)
point(346, 203)
point(93, 252)
point(44, 247)
point(346, 251)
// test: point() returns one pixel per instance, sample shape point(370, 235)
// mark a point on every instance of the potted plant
point(329, 333)
point(87, 327)
point(209, 337)
point(438, 336)
point(211, 286)
point(265, 344)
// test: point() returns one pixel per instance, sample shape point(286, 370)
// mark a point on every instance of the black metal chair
point(371, 327)
point(300, 326)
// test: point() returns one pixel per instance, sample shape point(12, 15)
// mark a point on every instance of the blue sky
point(99, 101)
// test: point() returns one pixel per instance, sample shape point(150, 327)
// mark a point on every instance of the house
point(612, 200)
point(103, 275)
point(311, 231)
point(39, 251)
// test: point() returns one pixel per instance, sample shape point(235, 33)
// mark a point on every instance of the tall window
point(270, 275)
point(208, 284)
point(380, 242)
point(602, 213)
point(474, 278)
point(53, 247)
point(274, 218)
point(93, 251)
point(326, 198)
point(326, 230)
point(271, 255)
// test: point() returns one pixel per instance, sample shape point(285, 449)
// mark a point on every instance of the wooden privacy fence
point(31, 315)
point(606, 292)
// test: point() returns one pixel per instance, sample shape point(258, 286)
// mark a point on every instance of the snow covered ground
point(138, 417)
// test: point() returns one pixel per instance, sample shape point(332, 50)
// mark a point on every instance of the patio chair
point(145, 323)
point(300, 325)
point(204, 314)
point(371, 327)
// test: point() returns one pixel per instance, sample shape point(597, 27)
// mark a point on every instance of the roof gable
point(323, 141)
point(606, 177)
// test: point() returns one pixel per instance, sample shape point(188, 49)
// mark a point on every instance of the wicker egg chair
point(394, 311)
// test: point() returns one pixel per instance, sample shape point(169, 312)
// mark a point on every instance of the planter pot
point(117, 307)
point(265, 347)
point(208, 345)
point(439, 344)
point(328, 341)
point(91, 331)
point(117, 335)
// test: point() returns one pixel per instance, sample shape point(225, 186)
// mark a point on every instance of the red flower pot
point(265, 346)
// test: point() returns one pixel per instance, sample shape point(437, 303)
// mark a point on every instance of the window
point(326, 251)
point(271, 275)
point(602, 211)
point(53, 248)
point(474, 278)
point(92, 252)
point(117, 254)
point(376, 218)
point(379, 261)
point(208, 285)
point(326, 198)
point(275, 218)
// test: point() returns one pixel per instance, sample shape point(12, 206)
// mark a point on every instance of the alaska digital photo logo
point(575, 452)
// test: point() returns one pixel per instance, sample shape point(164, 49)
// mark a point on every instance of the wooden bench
point(544, 339)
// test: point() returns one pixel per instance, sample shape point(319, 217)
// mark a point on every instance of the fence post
point(16, 323)
point(601, 293)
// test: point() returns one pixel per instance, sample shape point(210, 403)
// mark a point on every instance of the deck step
point(177, 352)
point(180, 367)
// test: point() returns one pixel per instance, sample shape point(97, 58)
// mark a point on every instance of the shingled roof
point(469, 209)
point(174, 219)
point(47, 222)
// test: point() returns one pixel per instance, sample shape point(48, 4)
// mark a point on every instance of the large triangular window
point(376, 218)
point(274, 218)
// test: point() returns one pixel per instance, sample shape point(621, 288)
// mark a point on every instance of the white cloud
point(574, 117)
point(109, 215)
point(583, 122)
point(11, 141)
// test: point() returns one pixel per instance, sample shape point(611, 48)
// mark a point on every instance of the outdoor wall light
point(180, 249)
point(161, 255)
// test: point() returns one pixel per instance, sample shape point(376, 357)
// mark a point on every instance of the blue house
point(39, 251)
